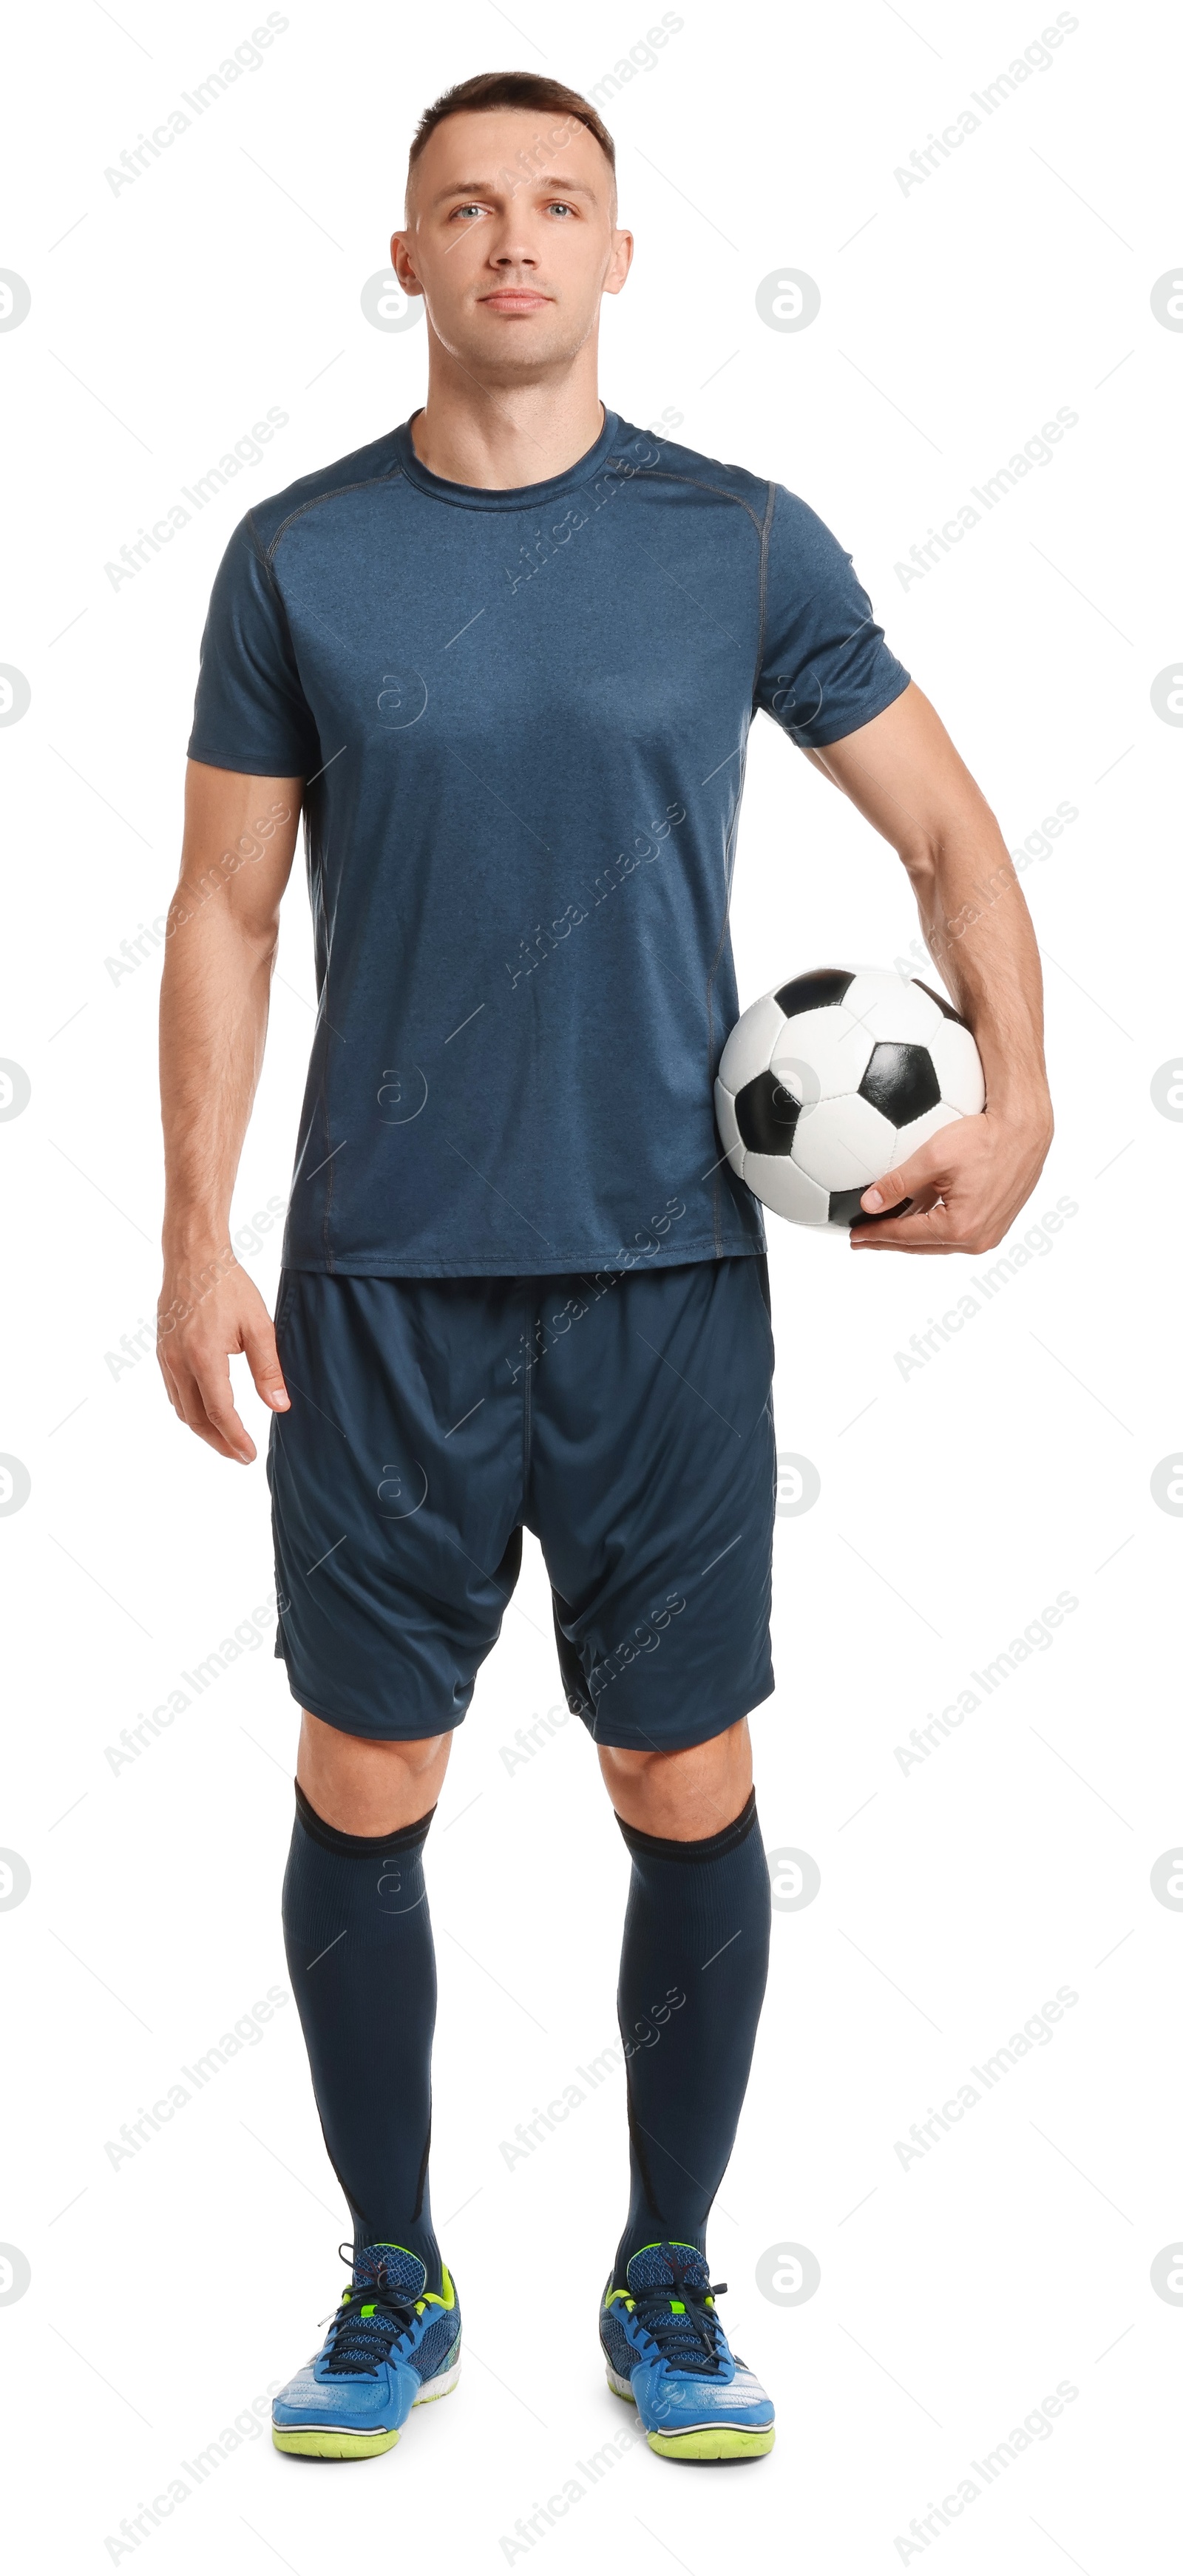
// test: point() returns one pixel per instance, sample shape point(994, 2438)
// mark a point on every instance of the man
point(505, 660)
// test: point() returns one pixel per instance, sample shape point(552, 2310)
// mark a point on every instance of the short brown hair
point(511, 89)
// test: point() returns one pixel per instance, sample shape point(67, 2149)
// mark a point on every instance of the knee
point(691, 1791)
point(717, 1756)
point(424, 1754)
point(619, 1762)
point(365, 1785)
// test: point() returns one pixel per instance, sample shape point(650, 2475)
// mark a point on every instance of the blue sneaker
point(393, 2344)
point(666, 2350)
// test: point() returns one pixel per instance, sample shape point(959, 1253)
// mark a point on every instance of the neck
point(500, 436)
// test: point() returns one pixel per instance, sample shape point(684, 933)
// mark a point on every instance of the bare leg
point(682, 1796)
point(366, 1787)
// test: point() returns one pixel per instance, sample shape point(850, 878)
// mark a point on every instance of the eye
point(471, 209)
point(559, 206)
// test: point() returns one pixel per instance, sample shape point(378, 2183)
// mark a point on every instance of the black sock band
point(405, 1838)
point(712, 1846)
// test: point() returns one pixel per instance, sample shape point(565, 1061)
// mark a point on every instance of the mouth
point(514, 299)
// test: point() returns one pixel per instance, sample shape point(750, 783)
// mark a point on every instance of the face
point(511, 241)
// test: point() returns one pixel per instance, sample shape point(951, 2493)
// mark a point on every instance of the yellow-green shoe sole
point(317, 2442)
point(321, 2442)
point(726, 2442)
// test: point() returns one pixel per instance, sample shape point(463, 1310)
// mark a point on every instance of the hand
point(205, 1313)
point(962, 1189)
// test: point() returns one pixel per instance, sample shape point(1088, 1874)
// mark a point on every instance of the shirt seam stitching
point(729, 847)
point(665, 473)
point(728, 872)
point(765, 540)
point(366, 483)
point(268, 572)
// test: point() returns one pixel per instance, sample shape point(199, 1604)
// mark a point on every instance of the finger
point(896, 1242)
point(169, 1386)
point(919, 1179)
point(901, 1207)
point(258, 1341)
point(192, 1412)
point(214, 1416)
point(921, 1230)
point(173, 1385)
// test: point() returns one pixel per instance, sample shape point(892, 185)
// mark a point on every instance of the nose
point(510, 246)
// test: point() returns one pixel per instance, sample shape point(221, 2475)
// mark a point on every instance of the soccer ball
point(828, 1082)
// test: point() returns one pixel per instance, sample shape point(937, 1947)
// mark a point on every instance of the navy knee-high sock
point(362, 1964)
point(692, 1974)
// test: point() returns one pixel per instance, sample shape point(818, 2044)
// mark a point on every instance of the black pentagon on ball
point(901, 1081)
point(766, 1115)
point(946, 1008)
point(821, 990)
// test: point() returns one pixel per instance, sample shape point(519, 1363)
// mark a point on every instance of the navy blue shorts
point(626, 1419)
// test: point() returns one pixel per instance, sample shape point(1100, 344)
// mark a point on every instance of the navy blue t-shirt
point(523, 718)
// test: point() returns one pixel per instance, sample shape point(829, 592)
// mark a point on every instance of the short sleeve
point(251, 713)
point(825, 667)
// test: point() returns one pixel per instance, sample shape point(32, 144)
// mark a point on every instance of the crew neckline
point(518, 496)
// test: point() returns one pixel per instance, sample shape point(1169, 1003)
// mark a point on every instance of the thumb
point(906, 1183)
point(258, 1341)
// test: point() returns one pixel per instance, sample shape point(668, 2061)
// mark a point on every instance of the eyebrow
point(482, 188)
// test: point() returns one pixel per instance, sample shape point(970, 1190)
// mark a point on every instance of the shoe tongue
point(405, 2273)
point(662, 2267)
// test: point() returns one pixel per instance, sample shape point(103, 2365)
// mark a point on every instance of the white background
point(168, 2292)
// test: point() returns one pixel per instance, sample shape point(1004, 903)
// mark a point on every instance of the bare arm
point(967, 1184)
point(223, 925)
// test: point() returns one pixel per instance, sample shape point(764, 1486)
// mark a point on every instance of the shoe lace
point(689, 2340)
point(372, 2318)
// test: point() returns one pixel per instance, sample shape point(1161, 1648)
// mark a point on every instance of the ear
point(403, 265)
point(619, 263)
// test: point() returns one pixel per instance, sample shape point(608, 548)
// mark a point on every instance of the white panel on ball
point(749, 1048)
point(786, 1189)
point(892, 1010)
point(958, 1067)
point(832, 1045)
point(844, 1144)
point(726, 1122)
